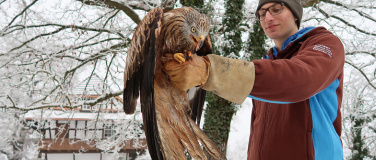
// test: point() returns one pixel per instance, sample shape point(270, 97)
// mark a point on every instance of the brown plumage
point(168, 114)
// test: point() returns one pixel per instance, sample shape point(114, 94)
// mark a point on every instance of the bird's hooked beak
point(198, 41)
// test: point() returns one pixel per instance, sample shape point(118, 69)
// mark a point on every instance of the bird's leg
point(188, 54)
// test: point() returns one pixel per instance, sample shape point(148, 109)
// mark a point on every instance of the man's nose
point(268, 16)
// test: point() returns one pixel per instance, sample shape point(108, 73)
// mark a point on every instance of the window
point(90, 108)
point(108, 131)
point(86, 107)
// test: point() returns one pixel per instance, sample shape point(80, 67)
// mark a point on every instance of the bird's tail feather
point(209, 145)
point(178, 132)
point(172, 148)
point(187, 135)
point(177, 136)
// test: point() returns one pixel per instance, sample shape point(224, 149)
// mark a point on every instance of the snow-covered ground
point(239, 132)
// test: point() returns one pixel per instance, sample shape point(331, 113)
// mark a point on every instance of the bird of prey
point(169, 115)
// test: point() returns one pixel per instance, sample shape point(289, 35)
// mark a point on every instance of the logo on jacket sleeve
point(324, 49)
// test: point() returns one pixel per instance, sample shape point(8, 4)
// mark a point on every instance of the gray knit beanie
point(293, 5)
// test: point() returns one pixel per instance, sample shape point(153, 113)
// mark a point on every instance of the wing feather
point(139, 77)
point(137, 51)
point(197, 95)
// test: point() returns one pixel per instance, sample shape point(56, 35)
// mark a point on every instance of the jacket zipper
point(265, 120)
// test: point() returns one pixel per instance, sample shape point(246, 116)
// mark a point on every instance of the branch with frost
point(11, 100)
point(73, 70)
point(36, 37)
point(56, 31)
point(361, 52)
point(62, 27)
point(129, 6)
point(86, 45)
point(310, 3)
point(338, 3)
point(62, 80)
point(60, 54)
point(373, 128)
point(64, 106)
point(369, 81)
point(327, 15)
point(77, 58)
point(2, 2)
point(21, 13)
point(115, 5)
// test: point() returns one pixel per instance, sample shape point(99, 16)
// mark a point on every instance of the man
point(296, 88)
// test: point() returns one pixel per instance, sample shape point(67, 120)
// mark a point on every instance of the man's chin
point(272, 35)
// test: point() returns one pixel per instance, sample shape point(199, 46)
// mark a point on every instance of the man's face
point(278, 27)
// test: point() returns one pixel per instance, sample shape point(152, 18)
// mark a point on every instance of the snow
point(239, 132)
point(3, 156)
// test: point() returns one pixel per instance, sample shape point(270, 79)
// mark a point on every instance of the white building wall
point(59, 156)
point(85, 156)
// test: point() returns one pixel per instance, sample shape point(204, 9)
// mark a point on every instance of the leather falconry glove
point(192, 72)
point(231, 79)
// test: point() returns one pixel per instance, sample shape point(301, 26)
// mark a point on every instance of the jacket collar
point(292, 38)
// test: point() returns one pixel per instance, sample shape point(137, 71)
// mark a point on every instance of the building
point(85, 133)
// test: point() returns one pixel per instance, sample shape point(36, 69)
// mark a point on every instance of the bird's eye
point(193, 30)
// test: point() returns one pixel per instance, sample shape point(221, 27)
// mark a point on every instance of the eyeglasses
point(274, 9)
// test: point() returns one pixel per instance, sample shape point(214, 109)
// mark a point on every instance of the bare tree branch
point(36, 37)
point(73, 70)
point(21, 27)
point(311, 3)
point(14, 105)
point(50, 33)
point(111, 17)
point(22, 12)
point(352, 8)
point(362, 72)
point(58, 105)
point(361, 52)
point(82, 46)
point(2, 2)
point(116, 5)
point(345, 22)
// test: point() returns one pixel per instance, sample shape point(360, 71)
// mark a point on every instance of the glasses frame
point(258, 17)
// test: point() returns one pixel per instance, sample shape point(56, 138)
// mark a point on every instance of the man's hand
point(192, 72)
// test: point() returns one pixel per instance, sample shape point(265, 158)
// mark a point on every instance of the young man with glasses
point(296, 89)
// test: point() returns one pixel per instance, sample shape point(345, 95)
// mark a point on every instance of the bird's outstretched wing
point(139, 76)
point(197, 95)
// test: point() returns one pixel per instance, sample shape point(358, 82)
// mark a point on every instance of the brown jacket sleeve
point(300, 73)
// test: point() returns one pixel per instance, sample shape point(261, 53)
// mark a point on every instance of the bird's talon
point(179, 57)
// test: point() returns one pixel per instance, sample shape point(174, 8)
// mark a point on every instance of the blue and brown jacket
point(297, 97)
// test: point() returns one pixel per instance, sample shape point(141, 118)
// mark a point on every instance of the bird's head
point(197, 29)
